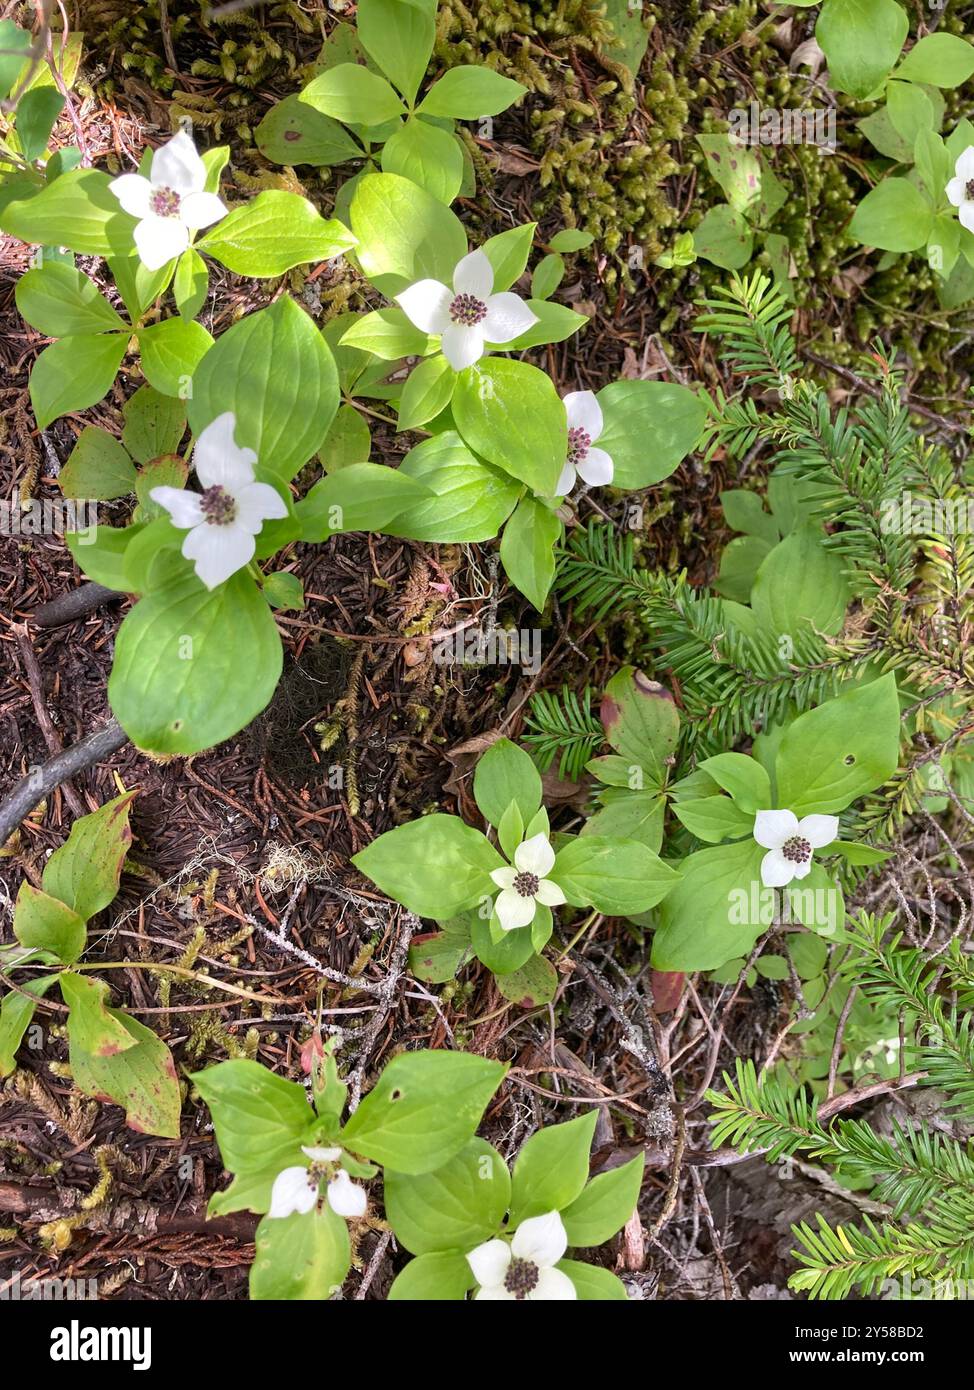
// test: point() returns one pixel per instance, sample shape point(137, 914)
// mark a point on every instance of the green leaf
point(511, 414)
point(37, 110)
point(361, 497)
point(504, 774)
point(191, 283)
point(74, 373)
point(508, 254)
point(605, 1204)
point(438, 1278)
point(104, 561)
point(800, 585)
point(528, 549)
point(470, 500)
point(154, 424)
point(14, 46)
point(430, 156)
point(456, 1207)
point(724, 237)
point(437, 956)
point(171, 352)
point(836, 753)
point(699, 927)
point(548, 275)
point(283, 590)
point(85, 871)
point(436, 866)
point(714, 818)
point(261, 1121)
point(894, 217)
point(193, 666)
point(571, 239)
point(593, 1284)
point(404, 233)
point(628, 815)
point(862, 40)
point(134, 1070)
point(858, 853)
point(348, 440)
point(649, 428)
point(468, 93)
point(17, 1010)
point(423, 1109)
point(387, 333)
point(98, 468)
point(58, 300)
point(274, 232)
point(744, 511)
point(294, 132)
point(43, 922)
point(532, 985)
point(617, 877)
point(138, 286)
point(641, 721)
point(398, 35)
point(910, 110)
point(943, 60)
point(274, 371)
point(748, 183)
point(353, 94)
point(743, 777)
point(555, 323)
point(552, 1168)
point(427, 392)
point(509, 952)
point(77, 210)
point(302, 1257)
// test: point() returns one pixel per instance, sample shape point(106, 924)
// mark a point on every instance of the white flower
point(585, 424)
point(170, 203)
point(789, 842)
point(525, 885)
point(225, 517)
point(469, 315)
point(524, 1270)
point(960, 190)
point(296, 1189)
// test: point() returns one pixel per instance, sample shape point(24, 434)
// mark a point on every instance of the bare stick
point(33, 788)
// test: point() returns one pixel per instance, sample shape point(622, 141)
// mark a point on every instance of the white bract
point(960, 190)
point(789, 842)
point(224, 519)
point(585, 425)
point(523, 1270)
point(297, 1189)
point(469, 315)
point(170, 203)
point(525, 885)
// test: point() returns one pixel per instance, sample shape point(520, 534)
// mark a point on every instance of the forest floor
point(239, 861)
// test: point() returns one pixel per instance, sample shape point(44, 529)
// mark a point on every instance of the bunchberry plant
point(496, 894)
point(110, 1054)
point(477, 1229)
point(304, 1169)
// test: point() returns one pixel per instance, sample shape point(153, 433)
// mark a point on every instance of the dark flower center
point(579, 443)
point(526, 884)
point(969, 190)
point(217, 506)
point(522, 1276)
point(164, 202)
point(796, 849)
point(468, 310)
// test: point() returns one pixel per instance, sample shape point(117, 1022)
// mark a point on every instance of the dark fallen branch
point(76, 603)
point(38, 784)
